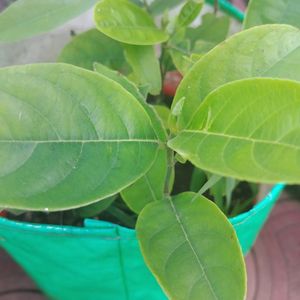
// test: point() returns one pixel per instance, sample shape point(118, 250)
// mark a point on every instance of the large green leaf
point(150, 187)
point(68, 137)
point(127, 23)
point(145, 65)
point(263, 51)
point(192, 249)
point(132, 89)
point(93, 46)
point(26, 18)
point(248, 130)
point(272, 11)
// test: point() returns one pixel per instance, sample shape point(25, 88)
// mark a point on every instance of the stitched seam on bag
point(122, 267)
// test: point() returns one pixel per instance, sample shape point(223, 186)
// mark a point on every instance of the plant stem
point(216, 6)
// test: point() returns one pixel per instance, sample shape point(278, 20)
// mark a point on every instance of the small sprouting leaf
point(27, 18)
point(68, 137)
point(244, 55)
point(189, 12)
point(192, 249)
point(253, 132)
point(127, 23)
point(269, 12)
point(93, 46)
point(145, 66)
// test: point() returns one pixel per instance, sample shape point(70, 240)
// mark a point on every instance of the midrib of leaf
point(80, 141)
point(279, 61)
point(252, 140)
point(150, 187)
point(185, 234)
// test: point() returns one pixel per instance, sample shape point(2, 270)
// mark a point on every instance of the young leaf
point(192, 249)
point(248, 130)
point(269, 12)
point(69, 137)
point(163, 113)
point(213, 29)
point(93, 46)
point(157, 7)
point(27, 18)
point(150, 187)
point(127, 23)
point(145, 66)
point(246, 54)
point(189, 12)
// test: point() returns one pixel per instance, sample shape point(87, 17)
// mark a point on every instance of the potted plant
point(93, 136)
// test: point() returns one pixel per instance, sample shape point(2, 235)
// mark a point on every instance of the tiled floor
point(273, 265)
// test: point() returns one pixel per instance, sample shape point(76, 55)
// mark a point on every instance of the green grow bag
point(102, 260)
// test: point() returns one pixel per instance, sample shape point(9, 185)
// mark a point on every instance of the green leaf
point(95, 208)
point(269, 12)
point(192, 249)
point(189, 12)
point(163, 113)
point(157, 7)
point(264, 51)
point(145, 65)
point(69, 137)
point(148, 188)
point(213, 29)
point(180, 54)
point(92, 46)
point(248, 130)
point(127, 23)
point(27, 18)
point(132, 89)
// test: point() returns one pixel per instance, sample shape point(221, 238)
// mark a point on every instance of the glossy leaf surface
point(145, 66)
point(248, 130)
point(127, 23)
point(93, 46)
point(192, 249)
point(69, 137)
point(132, 89)
point(27, 18)
point(264, 51)
point(269, 11)
point(150, 187)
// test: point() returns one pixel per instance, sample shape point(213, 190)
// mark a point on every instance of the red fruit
point(3, 213)
point(171, 82)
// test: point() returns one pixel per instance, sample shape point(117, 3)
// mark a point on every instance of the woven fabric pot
point(102, 260)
